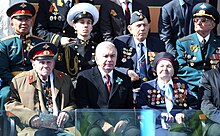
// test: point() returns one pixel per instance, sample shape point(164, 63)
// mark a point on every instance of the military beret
point(136, 16)
point(206, 10)
point(21, 10)
point(82, 10)
point(166, 56)
point(43, 51)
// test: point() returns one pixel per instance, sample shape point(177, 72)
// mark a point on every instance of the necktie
point(169, 98)
point(142, 63)
point(203, 47)
point(108, 83)
point(127, 13)
point(48, 97)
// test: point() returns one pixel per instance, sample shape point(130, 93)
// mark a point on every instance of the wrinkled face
point(165, 69)
point(43, 67)
point(83, 27)
point(106, 59)
point(21, 26)
point(203, 25)
point(139, 29)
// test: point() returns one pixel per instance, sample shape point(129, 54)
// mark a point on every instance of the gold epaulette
point(37, 37)
point(9, 37)
point(186, 38)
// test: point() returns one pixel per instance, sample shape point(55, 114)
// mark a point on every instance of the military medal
point(194, 58)
point(124, 60)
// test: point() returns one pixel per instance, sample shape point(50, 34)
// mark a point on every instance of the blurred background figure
point(115, 16)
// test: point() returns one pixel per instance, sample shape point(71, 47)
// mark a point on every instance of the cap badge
point(84, 12)
point(46, 52)
point(23, 5)
point(23, 12)
point(203, 6)
point(46, 46)
point(201, 12)
point(141, 17)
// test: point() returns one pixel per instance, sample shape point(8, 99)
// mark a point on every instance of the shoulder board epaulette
point(9, 37)
point(186, 38)
point(37, 37)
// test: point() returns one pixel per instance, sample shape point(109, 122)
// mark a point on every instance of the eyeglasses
point(202, 19)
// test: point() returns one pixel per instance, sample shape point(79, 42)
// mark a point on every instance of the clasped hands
point(116, 130)
point(62, 118)
point(167, 117)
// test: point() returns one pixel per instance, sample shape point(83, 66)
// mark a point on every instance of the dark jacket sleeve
point(210, 101)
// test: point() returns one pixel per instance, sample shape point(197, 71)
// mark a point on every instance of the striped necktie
point(142, 63)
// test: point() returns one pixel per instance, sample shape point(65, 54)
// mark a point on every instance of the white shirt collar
point(201, 38)
point(137, 42)
point(121, 1)
point(161, 85)
point(103, 75)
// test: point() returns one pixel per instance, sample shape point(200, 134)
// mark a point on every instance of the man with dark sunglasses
point(199, 52)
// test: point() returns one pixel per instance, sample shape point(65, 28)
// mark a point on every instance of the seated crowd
point(45, 78)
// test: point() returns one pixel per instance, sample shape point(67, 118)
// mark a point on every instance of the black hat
point(206, 10)
point(166, 56)
point(43, 51)
point(21, 10)
point(136, 16)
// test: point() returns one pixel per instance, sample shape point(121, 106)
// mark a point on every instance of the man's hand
point(35, 122)
point(106, 127)
point(179, 118)
point(65, 40)
point(168, 116)
point(134, 76)
point(62, 119)
point(120, 127)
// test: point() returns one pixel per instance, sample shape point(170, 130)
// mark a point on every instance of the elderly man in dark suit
point(103, 87)
point(175, 21)
point(136, 48)
point(114, 16)
point(42, 98)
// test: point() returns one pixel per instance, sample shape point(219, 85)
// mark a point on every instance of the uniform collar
point(201, 38)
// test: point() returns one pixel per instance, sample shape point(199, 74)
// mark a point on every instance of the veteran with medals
point(80, 53)
point(14, 48)
point(136, 51)
point(199, 52)
point(167, 95)
point(42, 98)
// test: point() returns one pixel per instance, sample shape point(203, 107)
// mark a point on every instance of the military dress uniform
point(79, 54)
point(13, 52)
point(76, 56)
point(191, 59)
point(14, 48)
point(51, 23)
point(195, 53)
point(152, 97)
point(29, 97)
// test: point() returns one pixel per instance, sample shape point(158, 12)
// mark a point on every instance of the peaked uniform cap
point(82, 10)
point(206, 10)
point(20, 10)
